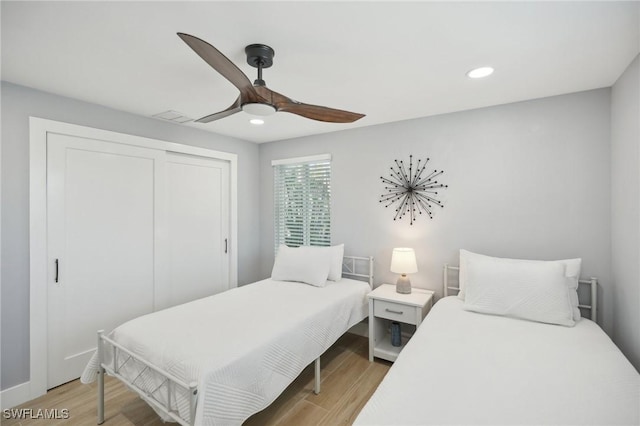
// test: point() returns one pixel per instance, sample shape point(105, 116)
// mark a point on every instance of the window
point(302, 204)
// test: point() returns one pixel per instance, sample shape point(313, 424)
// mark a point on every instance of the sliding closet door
point(103, 216)
point(197, 200)
point(130, 230)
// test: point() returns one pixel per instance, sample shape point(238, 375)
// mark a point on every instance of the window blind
point(302, 204)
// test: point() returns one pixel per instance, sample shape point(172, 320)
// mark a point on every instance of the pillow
point(302, 264)
point(534, 291)
point(337, 253)
point(572, 272)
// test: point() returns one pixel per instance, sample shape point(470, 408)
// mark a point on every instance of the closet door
point(103, 215)
point(197, 200)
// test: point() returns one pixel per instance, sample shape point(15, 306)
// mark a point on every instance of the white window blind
point(302, 204)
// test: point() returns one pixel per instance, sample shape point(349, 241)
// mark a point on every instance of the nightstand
point(386, 305)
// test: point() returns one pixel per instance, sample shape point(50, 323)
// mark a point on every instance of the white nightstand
point(386, 305)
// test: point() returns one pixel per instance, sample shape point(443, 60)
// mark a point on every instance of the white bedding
point(243, 347)
point(466, 368)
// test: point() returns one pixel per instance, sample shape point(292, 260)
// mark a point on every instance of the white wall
point(526, 180)
point(18, 103)
point(625, 211)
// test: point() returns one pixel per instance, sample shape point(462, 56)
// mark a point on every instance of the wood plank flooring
point(348, 380)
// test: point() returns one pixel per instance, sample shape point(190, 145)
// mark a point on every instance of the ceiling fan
point(256, 98)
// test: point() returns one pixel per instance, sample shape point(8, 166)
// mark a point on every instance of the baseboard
point(16, 395)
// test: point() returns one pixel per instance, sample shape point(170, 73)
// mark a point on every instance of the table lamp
point(403, 261)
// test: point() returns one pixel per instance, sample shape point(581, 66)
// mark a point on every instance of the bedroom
point(549, 171)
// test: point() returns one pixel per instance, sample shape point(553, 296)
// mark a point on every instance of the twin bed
point(462, 367)
point(220, 359)
point(242, 348)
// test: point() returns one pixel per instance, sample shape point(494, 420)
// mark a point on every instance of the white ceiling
point(389, 60)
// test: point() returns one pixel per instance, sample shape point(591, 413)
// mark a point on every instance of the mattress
point(243, 347)
point(466, 368)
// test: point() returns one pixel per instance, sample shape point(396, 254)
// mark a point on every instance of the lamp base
point(403, 285)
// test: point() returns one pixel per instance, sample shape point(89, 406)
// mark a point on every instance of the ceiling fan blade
point(314, 112)
point(320, 113)
point(236, 107)
point(220, 63)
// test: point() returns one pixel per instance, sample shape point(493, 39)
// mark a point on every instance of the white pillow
point(572, 272)
point(302, 264)
point(337, 253)
point(534, 291)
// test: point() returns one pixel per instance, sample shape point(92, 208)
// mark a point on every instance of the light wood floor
point(348, 380)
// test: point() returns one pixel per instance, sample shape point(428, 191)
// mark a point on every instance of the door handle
point(226, 245)
point(56, 279)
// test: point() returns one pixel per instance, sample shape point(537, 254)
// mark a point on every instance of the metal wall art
point(413, 191)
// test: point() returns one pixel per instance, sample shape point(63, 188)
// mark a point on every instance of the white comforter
point(466, 368)
point(243, 347)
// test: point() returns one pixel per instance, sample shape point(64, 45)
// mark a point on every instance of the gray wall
point(526, 180)
point(529, 180)
point(18, 103)
point(625, 211)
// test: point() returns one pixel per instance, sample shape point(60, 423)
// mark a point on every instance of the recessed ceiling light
point(480, 72)
point(256, 121)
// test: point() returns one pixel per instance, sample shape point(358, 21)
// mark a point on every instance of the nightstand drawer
point(394, 311)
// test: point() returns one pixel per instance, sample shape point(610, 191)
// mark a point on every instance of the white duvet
point(466, 368)
point(243, 347)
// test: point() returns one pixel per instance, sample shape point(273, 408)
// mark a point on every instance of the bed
point(463, 367)
point(220, 359)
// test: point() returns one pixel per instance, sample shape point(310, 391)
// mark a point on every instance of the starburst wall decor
point(414, 191)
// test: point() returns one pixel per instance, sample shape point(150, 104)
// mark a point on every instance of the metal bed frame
point(592, 306)
point(350, 265)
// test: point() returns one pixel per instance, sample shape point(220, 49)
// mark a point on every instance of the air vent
point(173, 116)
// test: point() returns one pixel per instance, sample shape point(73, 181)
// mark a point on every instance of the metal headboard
point(352, 264)
point(592, 282)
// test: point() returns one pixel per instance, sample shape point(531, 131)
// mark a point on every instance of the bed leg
point(100, 379)
point(100, 395)
point(193, 400)
point(316, 387)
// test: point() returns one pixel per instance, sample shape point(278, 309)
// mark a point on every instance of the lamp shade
point(403, 261)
